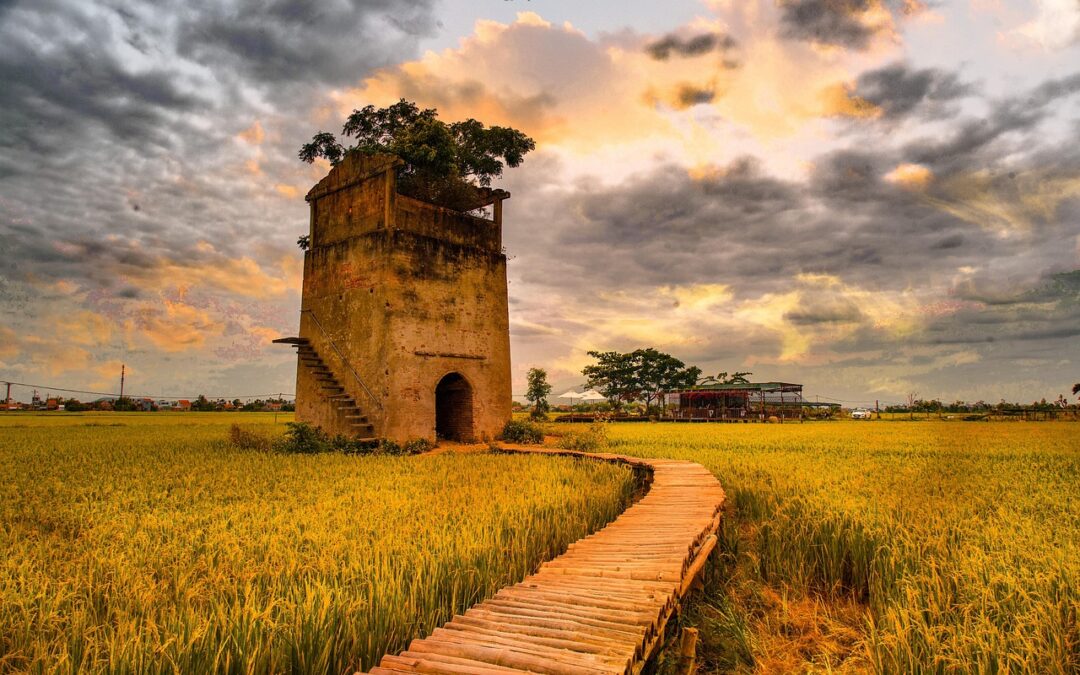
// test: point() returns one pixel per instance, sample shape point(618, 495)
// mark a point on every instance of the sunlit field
point(144, 543)
point(887, 546)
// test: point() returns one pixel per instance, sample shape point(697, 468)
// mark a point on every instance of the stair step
point(335, 388)
point(341, 397)
point(291, 341)
point(362, 418)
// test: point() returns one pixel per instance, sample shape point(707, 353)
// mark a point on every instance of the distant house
point(52, 404)
point(164, 404)
point(183, 404)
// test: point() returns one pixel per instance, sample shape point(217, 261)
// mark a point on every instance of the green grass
point(144, 543)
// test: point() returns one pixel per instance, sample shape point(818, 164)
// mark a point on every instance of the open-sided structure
point(404, 329)
point(736, 402)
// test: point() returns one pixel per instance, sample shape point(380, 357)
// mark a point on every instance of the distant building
point(182, 404)
point(736, 402)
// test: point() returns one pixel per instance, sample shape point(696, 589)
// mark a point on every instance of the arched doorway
point(453, 408)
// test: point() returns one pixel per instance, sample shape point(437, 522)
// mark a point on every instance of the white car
point(861, 414)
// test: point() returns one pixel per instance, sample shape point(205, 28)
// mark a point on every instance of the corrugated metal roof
point(748, 386)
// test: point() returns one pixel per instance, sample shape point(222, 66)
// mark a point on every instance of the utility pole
point(7, 398)
point(121, 381)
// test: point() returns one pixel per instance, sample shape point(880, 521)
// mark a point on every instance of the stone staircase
point(331, 389)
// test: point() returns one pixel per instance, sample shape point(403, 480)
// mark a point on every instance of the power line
point(843, 400)
point(110, 393)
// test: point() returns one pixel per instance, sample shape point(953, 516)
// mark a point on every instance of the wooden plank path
point(602, 606)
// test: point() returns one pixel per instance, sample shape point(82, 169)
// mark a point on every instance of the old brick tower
point(404, 329)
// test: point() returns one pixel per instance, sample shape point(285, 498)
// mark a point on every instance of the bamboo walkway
point(602, 606)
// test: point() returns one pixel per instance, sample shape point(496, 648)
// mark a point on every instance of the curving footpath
point(602, 606)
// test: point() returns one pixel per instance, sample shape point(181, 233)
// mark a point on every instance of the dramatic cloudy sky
point(873, 198)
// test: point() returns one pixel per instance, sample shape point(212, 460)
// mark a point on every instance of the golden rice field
point(888, 547)
point(143, 543)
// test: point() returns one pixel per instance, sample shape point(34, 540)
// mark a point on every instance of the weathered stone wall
point(451, 226)
point(408, 292)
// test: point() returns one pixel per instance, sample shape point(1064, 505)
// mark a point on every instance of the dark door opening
point(453, 408)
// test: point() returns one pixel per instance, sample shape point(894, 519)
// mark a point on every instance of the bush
point(522, 431)
point(593, 438)
point(247, 439)
point(304, 439)
point(417, 446)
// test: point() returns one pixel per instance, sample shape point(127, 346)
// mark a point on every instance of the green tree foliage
point(523, 431)
point(640, 374)
point(444, 163)
point(738, 377)
point(538, 391)
point(75, 405)
point(124, 404)
point(614, 375)
point(659, 372)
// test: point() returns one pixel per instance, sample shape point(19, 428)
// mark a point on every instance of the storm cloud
point(148, 171)
point(832, 22)
point(673, 45)
point(968, 262)
point(899, 89)
point(787, 189)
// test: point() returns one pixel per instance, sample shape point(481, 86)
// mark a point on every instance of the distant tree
point(202, 404)
point(75, 405)
point(124, 404)
point(614, 375)
point(444, 163)
point(538, 391)
point(640, 374)
point(1076, 388)
point(659, 372)
point(722, 377)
